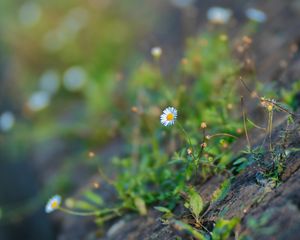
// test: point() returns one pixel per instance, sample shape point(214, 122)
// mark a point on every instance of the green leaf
point(175, 161)
point(240, 160)
point(162, 209)
point(167, 212)
point(196, 204)
point(140, 205)
point(93, 197)
point(181, 226)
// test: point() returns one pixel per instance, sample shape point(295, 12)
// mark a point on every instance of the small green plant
point(223, 228)
point(181, 226)
point(195, 205)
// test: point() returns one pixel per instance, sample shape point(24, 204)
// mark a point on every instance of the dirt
point(274, 210)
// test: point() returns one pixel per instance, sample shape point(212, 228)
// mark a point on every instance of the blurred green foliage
point(65, 65)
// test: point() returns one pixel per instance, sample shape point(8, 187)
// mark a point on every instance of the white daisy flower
point(168, 116)
point(53, 204)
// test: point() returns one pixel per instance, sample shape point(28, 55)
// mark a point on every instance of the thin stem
point(203, 132)
point(187, 138)
point(109, 217)
point(201, 150)
point(248, 89)
point(86, 214)
point(203, 141)
point(255, 125)
point(205, 228)
point(222, 135)
point(105, 177)
point(270, 129)
point(267, 132)
point(244, 122)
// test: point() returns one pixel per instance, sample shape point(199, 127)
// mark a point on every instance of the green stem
point(268, 132)
point(105, 177)
point(202, 148)
point(270, 129)
point(187, 138)
point(221, 135)
point(244, 122)
point(86, 214)
point(255, 125)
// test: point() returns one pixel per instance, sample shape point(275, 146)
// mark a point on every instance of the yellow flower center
point(54, 204)
point(170, 117)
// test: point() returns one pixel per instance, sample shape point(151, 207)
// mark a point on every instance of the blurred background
point(63, 66)
point(69, 78)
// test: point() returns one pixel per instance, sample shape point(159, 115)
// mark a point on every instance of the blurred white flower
point(54, 40)
point(168, 116)
point(256, 15)
point(156, 52)
point(182, 3)
point(49, 81)
point(7, 121)
point(53, 204)
point(74, 78)
point(38, 100)
point(75, 20)
point(219, 15)
point(29, 14)
point(68, 29)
